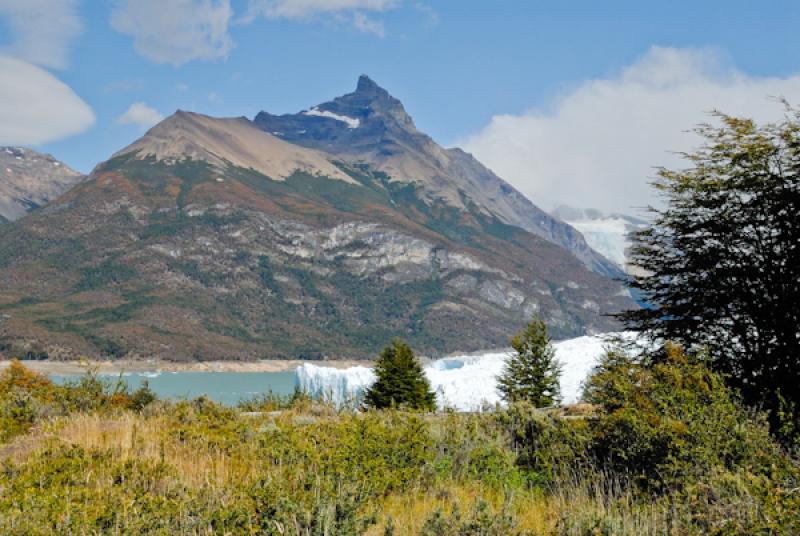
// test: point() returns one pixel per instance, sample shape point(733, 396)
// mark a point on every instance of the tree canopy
point(721, 262)
point(532, 374)
point(400, 381)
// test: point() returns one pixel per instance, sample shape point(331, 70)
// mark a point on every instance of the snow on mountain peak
point(351, 122)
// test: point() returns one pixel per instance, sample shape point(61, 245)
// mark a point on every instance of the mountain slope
point(198, 242)
point(29, 179)
point(371, 126)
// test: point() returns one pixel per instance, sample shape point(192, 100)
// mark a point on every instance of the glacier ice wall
point(464, 383)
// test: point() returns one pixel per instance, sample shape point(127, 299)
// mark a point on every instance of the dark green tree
point(401, 382)
point(532, 374)
point(721, 261)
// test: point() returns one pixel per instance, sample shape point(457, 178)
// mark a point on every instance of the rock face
point(29, 179)
point(371, 126)
point(211, 239)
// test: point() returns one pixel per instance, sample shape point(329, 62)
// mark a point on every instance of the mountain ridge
point(180, 247)
point(387, 138)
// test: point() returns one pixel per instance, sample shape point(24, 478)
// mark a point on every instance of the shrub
point(671, 423)
point(548, 446)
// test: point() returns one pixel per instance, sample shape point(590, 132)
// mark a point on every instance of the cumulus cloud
point(36, 107)
point(352, 12)
point(176, 31)
point(598, 145)
point(41, 30)
point(141, 115)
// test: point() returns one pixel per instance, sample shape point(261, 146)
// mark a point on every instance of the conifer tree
point(532, 374)
point(401, 382)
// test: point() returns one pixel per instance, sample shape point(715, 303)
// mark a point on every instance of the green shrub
point(672, 423)
point(480, 521)
point(548, 446)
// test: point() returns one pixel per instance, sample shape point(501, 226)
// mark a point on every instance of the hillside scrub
point(660, 450)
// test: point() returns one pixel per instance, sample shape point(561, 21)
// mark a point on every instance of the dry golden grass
point(131, 436)
point(533, 512)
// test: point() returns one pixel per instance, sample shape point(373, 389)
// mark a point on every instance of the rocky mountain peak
point(29, 179)
point(370, 125)
point(367, 85)
point(372, 105)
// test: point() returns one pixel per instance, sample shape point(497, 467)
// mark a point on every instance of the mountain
point(212, 239)
point(607, 233)
point(29, 179)
point(371, 126)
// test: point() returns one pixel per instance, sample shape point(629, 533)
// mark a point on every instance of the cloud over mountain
point(140, 114)
point(598, 144)
point(36, 107)
point(176, 32)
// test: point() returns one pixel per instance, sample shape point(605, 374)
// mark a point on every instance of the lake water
point(226, 387)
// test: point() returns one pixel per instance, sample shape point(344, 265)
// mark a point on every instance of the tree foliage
point(532, 374)
point(401, 382)
point(721, 262)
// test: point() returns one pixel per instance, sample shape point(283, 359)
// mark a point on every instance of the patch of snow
point(609, 237)
point(464, 383)
point(352, 122)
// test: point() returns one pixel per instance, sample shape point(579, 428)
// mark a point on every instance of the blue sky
point(505, 78)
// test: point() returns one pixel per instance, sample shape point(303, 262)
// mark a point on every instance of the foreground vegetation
point(661, 449)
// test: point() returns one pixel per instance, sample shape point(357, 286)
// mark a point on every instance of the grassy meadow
point(657, 450)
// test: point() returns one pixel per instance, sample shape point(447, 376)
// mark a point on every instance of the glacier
point(462, 382)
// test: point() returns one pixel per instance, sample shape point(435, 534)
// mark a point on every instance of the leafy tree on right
point(720, 265)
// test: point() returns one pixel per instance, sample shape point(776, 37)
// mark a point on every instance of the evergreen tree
point(721, 262)
point(401, 382)
point(532, 374)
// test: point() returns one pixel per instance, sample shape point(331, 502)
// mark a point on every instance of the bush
point(548, 446)
point(672, 423)
point(26, 397)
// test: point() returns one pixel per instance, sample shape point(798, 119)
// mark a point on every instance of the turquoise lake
point(226, 387)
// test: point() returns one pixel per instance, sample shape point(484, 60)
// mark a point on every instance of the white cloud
point(302, 9)
point(42, 30)
point(176, 31)
point(363, 23)
point(141, 115)
point(598, 145)
point(36, 107)
point(352, 12)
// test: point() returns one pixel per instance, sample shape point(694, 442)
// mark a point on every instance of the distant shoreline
point(112, 368)
point(68, 368)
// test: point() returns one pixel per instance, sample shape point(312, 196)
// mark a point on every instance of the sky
point(574, 102)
